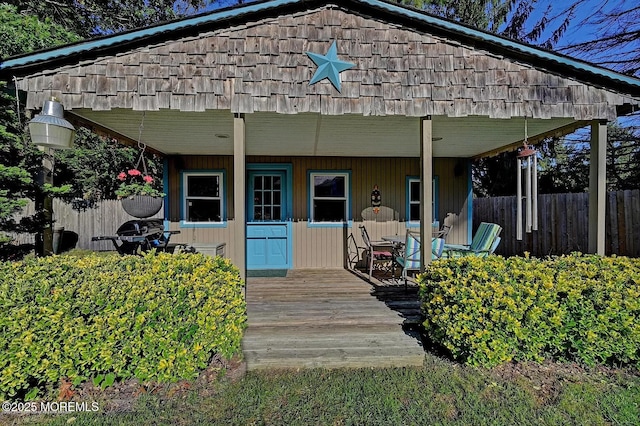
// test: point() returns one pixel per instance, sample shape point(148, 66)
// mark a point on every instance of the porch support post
point(426, 190)
point(597, 187)
point(239, 194)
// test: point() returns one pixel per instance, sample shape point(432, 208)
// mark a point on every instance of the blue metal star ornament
point(329, 66)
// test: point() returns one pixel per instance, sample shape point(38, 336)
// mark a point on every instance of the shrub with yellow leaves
point(488, 311)
point(157, 317)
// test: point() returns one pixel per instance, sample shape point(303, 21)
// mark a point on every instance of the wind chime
point(527, 164)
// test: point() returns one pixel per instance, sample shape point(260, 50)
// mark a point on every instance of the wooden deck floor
point(329, 318)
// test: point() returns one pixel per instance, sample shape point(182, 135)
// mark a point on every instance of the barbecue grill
point(141, 235)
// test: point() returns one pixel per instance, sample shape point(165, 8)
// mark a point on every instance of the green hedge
point(157, 317)
point(489, 311)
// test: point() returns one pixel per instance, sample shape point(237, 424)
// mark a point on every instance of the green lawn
point(441, 392)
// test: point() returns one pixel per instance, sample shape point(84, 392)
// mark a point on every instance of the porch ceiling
point(211, 133)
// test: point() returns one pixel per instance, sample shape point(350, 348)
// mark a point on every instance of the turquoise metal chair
point(410, 259)
point(485, 241)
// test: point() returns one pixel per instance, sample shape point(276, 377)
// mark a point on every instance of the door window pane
point(267, 199)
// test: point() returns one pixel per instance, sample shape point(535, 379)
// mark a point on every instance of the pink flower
point(122, 176)
point(134, 172)
point(147, 179)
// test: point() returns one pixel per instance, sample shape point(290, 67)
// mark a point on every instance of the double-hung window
point(329, 196)
point(203, 197)
point(413, 199)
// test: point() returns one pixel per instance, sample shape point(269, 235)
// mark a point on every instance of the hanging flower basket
point(139, 197)
point(141, 206)
point(139, 191)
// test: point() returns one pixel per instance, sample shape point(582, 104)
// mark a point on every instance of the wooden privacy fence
point(105, 219)
point(563, 223)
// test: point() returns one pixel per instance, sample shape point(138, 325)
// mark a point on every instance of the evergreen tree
point(89, 18)
point(21, 161)
point(21, 33)
point(16, 175)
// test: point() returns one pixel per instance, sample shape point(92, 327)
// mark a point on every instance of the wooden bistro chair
point(485, 241)
point(379, 254)
point(410, 259)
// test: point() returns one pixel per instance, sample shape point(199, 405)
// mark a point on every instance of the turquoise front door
point(268, 230)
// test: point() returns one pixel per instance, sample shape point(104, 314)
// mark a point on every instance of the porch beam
point(534, 140)
point(597, 187)
point(101, 130)
point(426, 190)
point(239, 193)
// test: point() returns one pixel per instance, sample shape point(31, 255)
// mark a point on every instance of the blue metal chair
point(484, 242)
point(410, 259)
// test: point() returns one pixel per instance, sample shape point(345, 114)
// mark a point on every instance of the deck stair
point(332, 319)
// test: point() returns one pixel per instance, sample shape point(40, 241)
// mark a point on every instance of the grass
point(439, 393)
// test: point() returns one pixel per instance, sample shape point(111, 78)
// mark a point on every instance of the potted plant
point(138, 195)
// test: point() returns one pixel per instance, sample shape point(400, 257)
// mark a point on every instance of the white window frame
point(434, 201)
point(186, 197)
point(346, 198)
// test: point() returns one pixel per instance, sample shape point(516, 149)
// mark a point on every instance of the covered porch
point(397, 153)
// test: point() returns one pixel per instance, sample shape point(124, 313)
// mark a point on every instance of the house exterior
point(274, 137)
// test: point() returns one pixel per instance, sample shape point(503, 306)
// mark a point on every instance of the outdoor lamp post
point(49, 130)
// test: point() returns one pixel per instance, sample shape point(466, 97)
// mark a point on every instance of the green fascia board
point(251, 8)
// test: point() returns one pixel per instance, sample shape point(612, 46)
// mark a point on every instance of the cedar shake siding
point(261, 66)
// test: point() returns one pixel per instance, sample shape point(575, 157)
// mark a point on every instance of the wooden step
point(331, 319)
